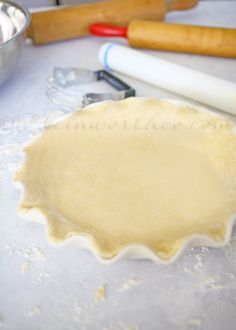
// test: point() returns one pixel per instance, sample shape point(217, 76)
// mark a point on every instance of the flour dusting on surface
point(120, 326)
point(15, 133)
point(196, 323)
point(212, 282)
point(34, 311)
point(129, 284)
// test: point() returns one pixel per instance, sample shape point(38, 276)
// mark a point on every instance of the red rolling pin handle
point(105, 30)
point(174, 37)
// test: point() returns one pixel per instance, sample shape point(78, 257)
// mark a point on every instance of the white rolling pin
point(215, 92)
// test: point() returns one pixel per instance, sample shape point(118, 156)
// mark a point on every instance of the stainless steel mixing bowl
point(14, 21)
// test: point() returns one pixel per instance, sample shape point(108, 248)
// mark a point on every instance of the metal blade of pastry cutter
point(66, 77)
point(63, 83)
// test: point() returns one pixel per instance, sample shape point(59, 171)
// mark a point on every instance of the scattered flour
point(41, 276)
point(34, 311)
point(202, 252)
point(33, 257)
point(212, 282)
point(79, 310)
point(129, 284)
point(33, 254)
point(120, 326)
point(16, 132)
point(195, 323)
point(82, 316)
point(10, 248)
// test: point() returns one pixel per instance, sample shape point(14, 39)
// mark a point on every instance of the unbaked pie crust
point(139, 177)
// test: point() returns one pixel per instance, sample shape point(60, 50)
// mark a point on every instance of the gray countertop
point(43, 287)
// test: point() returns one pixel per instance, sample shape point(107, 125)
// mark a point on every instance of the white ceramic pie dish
point(132, 251)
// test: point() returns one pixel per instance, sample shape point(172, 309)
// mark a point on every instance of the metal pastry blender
point(65, 87)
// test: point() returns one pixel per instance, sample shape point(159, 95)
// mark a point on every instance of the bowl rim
point(27, 22)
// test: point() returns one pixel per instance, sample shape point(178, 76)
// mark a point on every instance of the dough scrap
point(137, 171)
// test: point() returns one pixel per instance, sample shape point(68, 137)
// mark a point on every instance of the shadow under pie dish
point(138, 178)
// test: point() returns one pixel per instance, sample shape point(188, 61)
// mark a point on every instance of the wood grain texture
point(183, 38)
point(74, 21)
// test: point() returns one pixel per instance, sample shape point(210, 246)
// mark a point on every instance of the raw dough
point(138, 171)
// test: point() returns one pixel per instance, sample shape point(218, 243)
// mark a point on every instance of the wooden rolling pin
point(174, 37)
point(74, 21)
